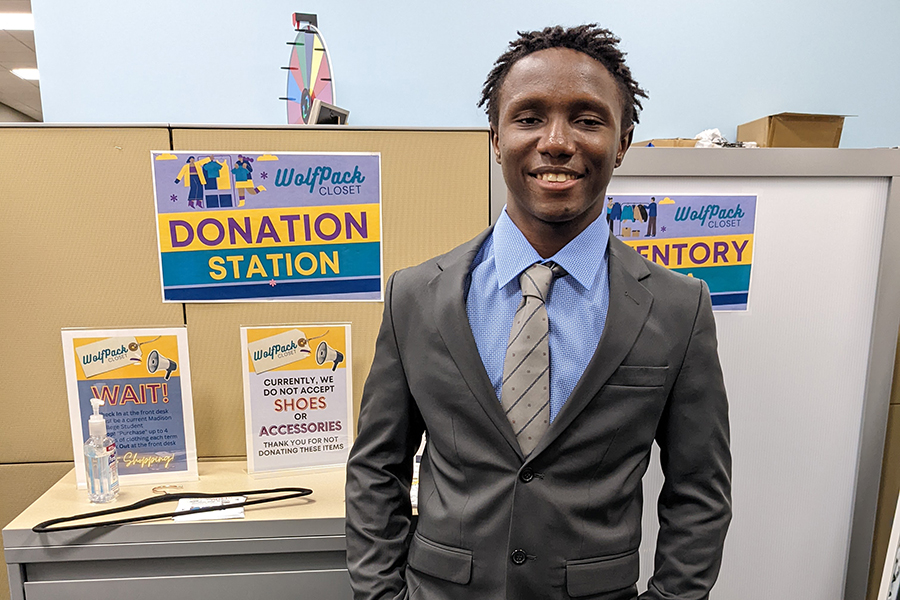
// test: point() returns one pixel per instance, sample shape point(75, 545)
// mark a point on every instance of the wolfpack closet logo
point(708, 237)
point(109, 354)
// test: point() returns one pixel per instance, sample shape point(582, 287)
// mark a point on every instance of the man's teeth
point(555, 176)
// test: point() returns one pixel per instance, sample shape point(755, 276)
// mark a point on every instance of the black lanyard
point(286, 493)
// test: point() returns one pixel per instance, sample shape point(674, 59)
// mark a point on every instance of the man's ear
point(624, 144)
point(495, 144)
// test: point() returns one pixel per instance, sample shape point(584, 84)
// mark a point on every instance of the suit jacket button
point(526, 475)
point(518, 557)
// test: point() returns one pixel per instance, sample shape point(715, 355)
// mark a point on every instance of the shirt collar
point(581, 258)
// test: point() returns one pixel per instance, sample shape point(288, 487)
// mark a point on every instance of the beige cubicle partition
point(434, 196)
point(77, 251)
point(79, 248)
point(889, 489)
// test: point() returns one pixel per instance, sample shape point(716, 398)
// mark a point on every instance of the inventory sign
point(297, 396)
point(250, 226)
point(708, 237)
point(143, 377)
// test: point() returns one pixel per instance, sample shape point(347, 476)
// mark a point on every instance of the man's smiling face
point(558, 138)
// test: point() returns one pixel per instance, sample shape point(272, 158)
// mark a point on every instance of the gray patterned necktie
point(525, 393)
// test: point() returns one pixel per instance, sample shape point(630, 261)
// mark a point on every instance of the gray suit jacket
point(566, 521)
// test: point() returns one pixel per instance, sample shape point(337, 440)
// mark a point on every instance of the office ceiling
point(17, 50)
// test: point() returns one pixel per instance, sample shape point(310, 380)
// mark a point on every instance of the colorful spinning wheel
point(309, 74)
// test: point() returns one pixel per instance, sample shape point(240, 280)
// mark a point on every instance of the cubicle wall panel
point(434, 183)
point(888, 491)
point(795, 365)
point(214, 338)
point(78, 243)
point(435, 195)
point(20, 485)
point(889, 488)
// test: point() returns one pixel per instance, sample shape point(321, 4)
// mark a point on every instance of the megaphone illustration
point(325, 353)
point(156, 361)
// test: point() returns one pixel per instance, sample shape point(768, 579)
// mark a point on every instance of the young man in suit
point(542, 388)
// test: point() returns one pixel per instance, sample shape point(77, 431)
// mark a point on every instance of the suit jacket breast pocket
point(639, 376)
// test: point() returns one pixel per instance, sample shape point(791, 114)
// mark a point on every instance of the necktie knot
point(536, 280)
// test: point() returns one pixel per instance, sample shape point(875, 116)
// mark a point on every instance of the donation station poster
point(278, 226)
point(709, 237)
point(143, 377)
point(297, 396)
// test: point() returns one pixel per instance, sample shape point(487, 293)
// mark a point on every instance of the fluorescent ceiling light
point(17, 21)
point(29, 74)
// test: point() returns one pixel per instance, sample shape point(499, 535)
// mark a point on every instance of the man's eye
point(527, 120)
point(590, 121)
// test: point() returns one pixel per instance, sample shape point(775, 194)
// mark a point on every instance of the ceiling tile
point(18, 6)
point(21, 95)
point(26, 38)
point(17, 51)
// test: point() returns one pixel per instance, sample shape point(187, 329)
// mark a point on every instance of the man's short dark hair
point(598, 43)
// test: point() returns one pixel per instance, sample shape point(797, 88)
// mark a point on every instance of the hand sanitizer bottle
point(100, 459)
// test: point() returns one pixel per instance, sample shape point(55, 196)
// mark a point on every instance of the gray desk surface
point(319, 516)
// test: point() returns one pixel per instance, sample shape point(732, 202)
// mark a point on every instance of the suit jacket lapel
point(448, 291)
point(629, 306)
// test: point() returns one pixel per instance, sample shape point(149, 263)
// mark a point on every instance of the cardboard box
point(793, 130)
point(667, 143)
point(626, 232)
point(635, 233)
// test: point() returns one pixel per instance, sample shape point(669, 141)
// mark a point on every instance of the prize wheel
point(309, 74)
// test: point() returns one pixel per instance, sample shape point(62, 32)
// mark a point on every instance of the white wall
point(706, 63)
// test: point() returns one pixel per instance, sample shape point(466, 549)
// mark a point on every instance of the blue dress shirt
point(577, 303)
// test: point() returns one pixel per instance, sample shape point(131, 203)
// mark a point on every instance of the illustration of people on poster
point(143, 378)
point(297, 396)
point(709, 237)
point(250, 226)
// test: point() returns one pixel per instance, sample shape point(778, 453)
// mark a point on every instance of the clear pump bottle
point(100, 466)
